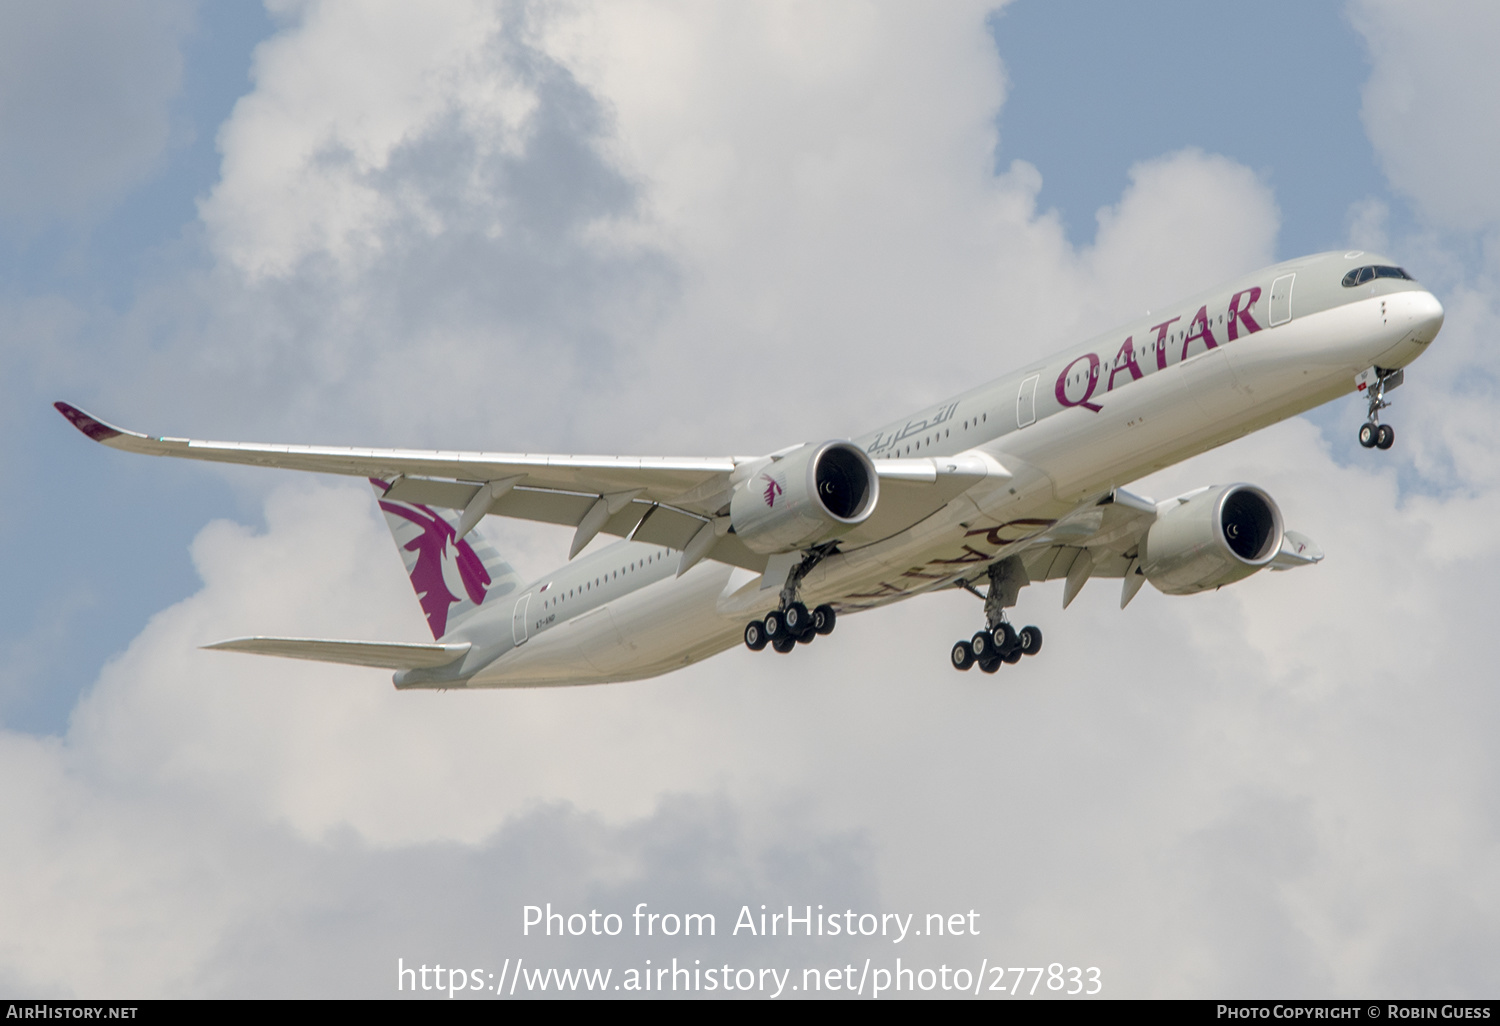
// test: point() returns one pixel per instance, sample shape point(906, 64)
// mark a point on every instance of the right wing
point(690, 482)
point(667, 501)
point(659, 500)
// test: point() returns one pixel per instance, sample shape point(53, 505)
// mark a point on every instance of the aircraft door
point(1026, 402)
point(1281, 299)
point(518, 619)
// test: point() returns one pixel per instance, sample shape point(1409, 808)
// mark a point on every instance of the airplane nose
point(1427, 316)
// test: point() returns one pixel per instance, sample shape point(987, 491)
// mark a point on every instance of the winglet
point(94, 428)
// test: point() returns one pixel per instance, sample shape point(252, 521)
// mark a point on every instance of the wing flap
point(388, 655)
point(911, 490)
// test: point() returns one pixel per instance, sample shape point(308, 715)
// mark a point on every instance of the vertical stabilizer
point(453, 577)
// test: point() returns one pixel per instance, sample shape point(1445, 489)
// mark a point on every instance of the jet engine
point(810, 495)
point(1219, 536)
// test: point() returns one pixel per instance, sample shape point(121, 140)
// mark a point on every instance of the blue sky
point(1135, 81)
point(88, 598)
point(524, 227)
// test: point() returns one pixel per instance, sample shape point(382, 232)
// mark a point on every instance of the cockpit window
point(1360, 275)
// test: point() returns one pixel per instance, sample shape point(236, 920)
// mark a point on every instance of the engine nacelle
point(806, 497)
point(1218, 537)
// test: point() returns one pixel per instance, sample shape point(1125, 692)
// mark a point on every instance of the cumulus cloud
point(658, 227)
point(1430, 91)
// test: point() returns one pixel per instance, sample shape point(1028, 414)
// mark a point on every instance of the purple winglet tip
point(97, 430)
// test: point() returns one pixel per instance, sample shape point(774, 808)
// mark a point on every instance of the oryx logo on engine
point(773, 489)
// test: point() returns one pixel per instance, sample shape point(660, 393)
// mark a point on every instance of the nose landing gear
point(1375, 382)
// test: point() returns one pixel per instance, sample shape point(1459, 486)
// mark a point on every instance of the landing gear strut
point(1375, 382)
point(999, 642)
point(792, 622)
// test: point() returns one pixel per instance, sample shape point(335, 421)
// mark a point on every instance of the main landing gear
point(792, 623)
point(999, 642)
point(1375, 381)
point(784, 629)
point(1003, 644)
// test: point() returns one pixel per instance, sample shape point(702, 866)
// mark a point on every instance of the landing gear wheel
point(798, 619)
point(806, 637)
point(1030, 640)
point(1385, 437)
point(776, 627)
point(755, 636)
point(1369, 435)
point(983, 647)
point(1005, 638)
point(1013, 656)
point(963, 656)
point(823, 619)
point(784, 645)
point(990, 665)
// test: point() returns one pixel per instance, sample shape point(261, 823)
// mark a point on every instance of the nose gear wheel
point(1372, 433)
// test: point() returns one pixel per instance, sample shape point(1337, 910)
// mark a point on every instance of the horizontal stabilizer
point(387, 655)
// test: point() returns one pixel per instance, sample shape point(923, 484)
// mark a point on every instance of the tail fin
point(452, 576)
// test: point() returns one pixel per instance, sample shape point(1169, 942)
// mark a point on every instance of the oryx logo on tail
point(444, 569)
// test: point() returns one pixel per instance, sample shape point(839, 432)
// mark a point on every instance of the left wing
point(1102, 538)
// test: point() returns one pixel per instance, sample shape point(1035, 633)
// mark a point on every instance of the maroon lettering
point(1026, 528)
point(1126, 353)
point(883, 590)
point(1161, 341)
point(1200, 330)
point(970, 555)
point(1093, 382)
point(918, 573)
point(1236, 315)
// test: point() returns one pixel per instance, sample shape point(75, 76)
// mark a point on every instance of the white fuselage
point(1101, 415)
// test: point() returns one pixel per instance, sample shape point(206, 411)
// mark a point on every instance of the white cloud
point(1429, 101)
point(335, 101)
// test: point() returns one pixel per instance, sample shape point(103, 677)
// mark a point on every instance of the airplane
point(1014, 482)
